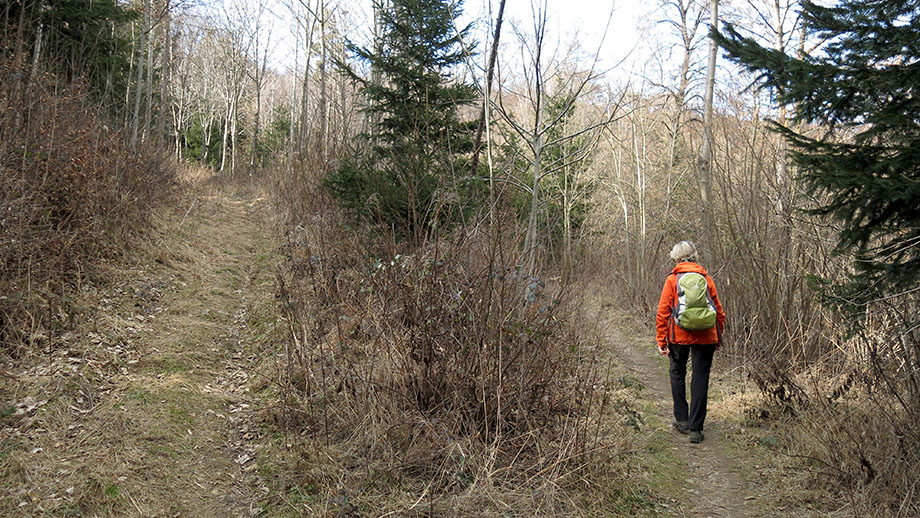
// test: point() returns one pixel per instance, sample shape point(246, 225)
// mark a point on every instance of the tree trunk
point(530, 239)
point(148, 108)
point(705, 161)
point(165, 63)
point(223, 142)
point(305, 96)
point(39, 36)
point(680, 98)
point(292, 146)
point(234, 124)
point(206, 138)
point(566, 220)
point(642, 245)
point(322, 85)
point(477, 143)
point(781, 165)
point(139, 89)
point(256, 128)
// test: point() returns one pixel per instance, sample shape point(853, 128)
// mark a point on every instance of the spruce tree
point(862, 86)
point(406, 174)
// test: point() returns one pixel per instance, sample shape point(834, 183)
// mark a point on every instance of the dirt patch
point(147, 408)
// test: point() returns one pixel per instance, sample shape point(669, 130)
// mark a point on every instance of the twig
point(131, 498)
point(187, 212)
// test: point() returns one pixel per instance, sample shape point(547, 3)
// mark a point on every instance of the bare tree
point(704, 177)
point(548, 81)
point(236, 45)
point(686, 20)
point(255, 26)
point(139, 90)
point(306, 22)
point(486, 95)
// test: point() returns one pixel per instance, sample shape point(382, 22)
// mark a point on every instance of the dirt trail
point(712, 483)
point(147, 410)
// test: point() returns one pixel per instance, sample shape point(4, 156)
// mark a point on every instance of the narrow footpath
point(709, 481)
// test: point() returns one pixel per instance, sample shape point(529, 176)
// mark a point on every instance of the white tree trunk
point(139, 90)
point(705, 161)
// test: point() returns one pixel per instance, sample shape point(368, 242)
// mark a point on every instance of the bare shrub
point(759, 248)
point(853, 435)
point(70, 192)
point(425, 368)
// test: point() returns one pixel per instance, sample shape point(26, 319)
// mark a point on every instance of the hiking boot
point(680, 426)
point(696, 436)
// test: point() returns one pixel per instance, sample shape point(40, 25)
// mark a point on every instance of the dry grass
point(71, 195)
point(838, 440)
point(416, 382)
point(142, 409)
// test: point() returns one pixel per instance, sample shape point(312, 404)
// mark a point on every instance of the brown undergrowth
point(840, 434)
point(435, 379)
point(71, 193)
point(145, 408)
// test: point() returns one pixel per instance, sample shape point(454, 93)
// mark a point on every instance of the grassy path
point(147, 410)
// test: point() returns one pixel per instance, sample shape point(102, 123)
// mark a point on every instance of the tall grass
point(435, 370)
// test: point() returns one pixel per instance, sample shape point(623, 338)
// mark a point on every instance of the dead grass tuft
point(845, 427)
point(416, 380)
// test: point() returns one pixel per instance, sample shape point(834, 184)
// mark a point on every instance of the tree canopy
point(416, 140)
point(861, 84)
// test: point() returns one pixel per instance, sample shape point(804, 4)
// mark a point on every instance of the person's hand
point(663, 349)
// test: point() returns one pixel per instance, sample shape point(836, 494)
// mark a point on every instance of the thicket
point(843, 387)
point(846, 394)
point(860, 175)
point(813, 252)
point(71, 192)
point(421, 357)
point(76, 40)
point(437, 368)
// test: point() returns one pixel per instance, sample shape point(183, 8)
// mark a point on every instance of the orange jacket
point(667, 331)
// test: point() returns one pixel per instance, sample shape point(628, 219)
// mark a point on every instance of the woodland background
point(449, 200)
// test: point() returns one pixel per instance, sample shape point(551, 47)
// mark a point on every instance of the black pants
point(699, 384)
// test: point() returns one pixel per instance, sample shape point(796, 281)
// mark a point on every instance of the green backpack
point(695, 310)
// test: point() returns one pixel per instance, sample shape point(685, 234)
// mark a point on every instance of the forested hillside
point(403, 257)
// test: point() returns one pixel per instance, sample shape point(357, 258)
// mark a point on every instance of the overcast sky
point(615, 26)
point(584, 20)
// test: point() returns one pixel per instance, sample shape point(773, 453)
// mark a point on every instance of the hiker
point(689, 324)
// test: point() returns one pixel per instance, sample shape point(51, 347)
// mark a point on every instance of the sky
point(584, 20)
point(614, 27)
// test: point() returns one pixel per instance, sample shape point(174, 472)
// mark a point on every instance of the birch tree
point(704, 177)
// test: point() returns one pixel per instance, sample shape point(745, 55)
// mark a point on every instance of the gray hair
point(685, 251)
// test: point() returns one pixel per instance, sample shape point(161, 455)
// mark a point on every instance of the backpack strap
point(673, 319)
point(713, 302)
